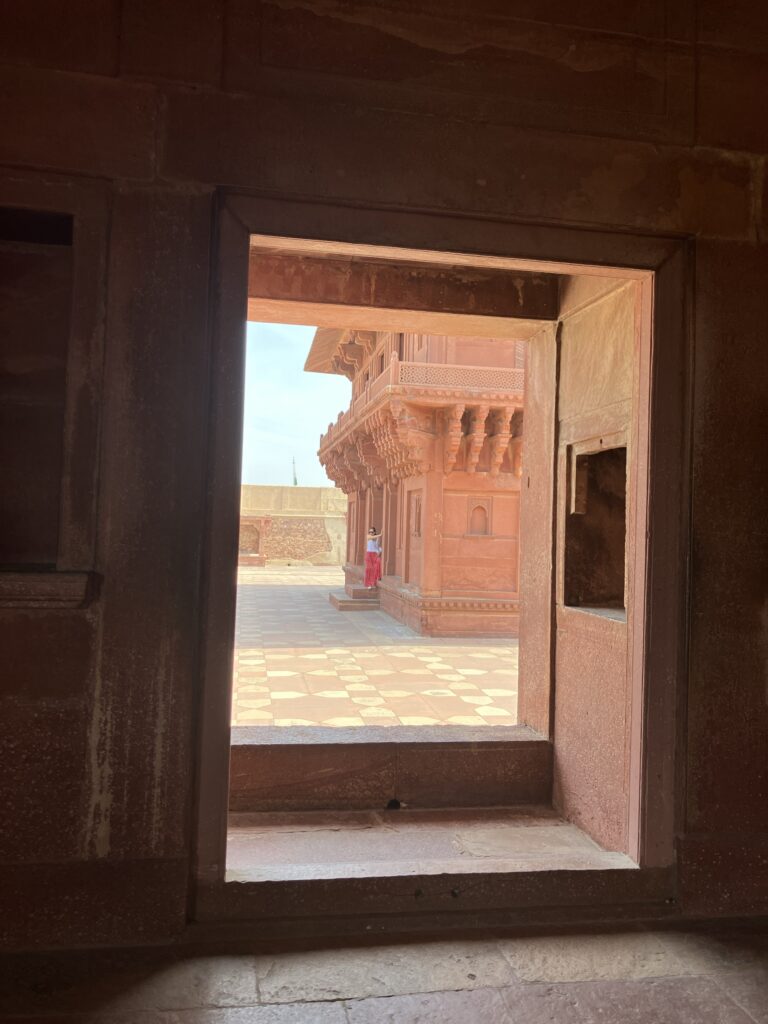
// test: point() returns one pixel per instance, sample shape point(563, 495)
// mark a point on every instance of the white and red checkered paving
point(299, 661)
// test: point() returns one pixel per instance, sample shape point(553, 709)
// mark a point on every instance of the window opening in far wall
point(595, 530)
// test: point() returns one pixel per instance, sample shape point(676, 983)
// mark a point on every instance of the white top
point(373, 545)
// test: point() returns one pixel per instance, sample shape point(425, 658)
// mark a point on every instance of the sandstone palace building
point(429, 452)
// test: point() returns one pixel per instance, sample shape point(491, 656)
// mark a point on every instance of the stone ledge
point(412, 903)
point(369, 774)
point(45, 589)
point(415, 735)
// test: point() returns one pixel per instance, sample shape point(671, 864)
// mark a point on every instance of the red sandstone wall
point(645, 116)
point(305, 539)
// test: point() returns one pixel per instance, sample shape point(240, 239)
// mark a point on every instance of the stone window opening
point(595, 530)
point(401, 444)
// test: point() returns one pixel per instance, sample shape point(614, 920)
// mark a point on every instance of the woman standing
point(372, 559)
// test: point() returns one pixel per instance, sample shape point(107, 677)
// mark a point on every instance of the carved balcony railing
point(431, 379)
point(469, 378)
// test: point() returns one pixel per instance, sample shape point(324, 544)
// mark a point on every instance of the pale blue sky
point(286, 409)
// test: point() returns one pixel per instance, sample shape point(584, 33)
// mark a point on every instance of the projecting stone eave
point(324, 349)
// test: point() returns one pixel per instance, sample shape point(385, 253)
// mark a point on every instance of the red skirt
point(372, 568)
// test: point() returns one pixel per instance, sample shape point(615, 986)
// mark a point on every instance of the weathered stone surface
point(195, 30)
point(684, 1000)
point(726, 692)
point(740, 25)
point(283, 778)
point(748, 989)
point(356, 974)
point(94, 126)
point(331, 151)
point(536, 516)
point(91, 903)
point(447, 149)
point(216, 981)
point(485, 1005)
point(720, 950)
point(529, 69)
point(380, 284)
point(152, 474)
point(48, 654)
point(605, 957)
point(465, 776)
point(42, 751)
point(724, 875)
point(117, 982)
point(82, 35)
point(731, 86)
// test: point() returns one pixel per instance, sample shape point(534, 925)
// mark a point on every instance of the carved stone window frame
point(659, 644)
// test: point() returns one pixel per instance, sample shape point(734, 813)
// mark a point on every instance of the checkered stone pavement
point(299, 661)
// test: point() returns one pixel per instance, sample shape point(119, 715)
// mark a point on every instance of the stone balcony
point(435, 384)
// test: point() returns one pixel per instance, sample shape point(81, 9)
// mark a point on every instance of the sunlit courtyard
point(299, 661)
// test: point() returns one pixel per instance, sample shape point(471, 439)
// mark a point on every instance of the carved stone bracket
point(366, 340)
point(370, 457)
point(453, 433)
point(500, 434)
point(336, 469)
point(476, 436)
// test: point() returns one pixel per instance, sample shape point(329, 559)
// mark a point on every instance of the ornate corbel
point(339, 365)
point(476, 436)
point(352, 354)
point(370, 458)
point(501, 422)
point(366, 340)
point(453, 435)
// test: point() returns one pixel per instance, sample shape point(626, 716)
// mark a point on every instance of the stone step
point(391, 843)
point(367, 767)
point(359, 592)
point(342, 602)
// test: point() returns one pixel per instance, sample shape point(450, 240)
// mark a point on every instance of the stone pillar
point(351, 528)
point(362, 526)
point(400, 529)
point(432, 534)
point(390, 531)
point(377, 509)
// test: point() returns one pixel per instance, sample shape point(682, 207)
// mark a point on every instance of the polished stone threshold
point(315, 845)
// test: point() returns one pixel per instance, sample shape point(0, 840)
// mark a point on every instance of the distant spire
point(295, 481)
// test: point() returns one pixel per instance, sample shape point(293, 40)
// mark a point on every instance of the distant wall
point(306, 524)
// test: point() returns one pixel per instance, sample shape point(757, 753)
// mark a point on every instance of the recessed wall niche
point(595, 529)
point(36, 277)
point(479, 518)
